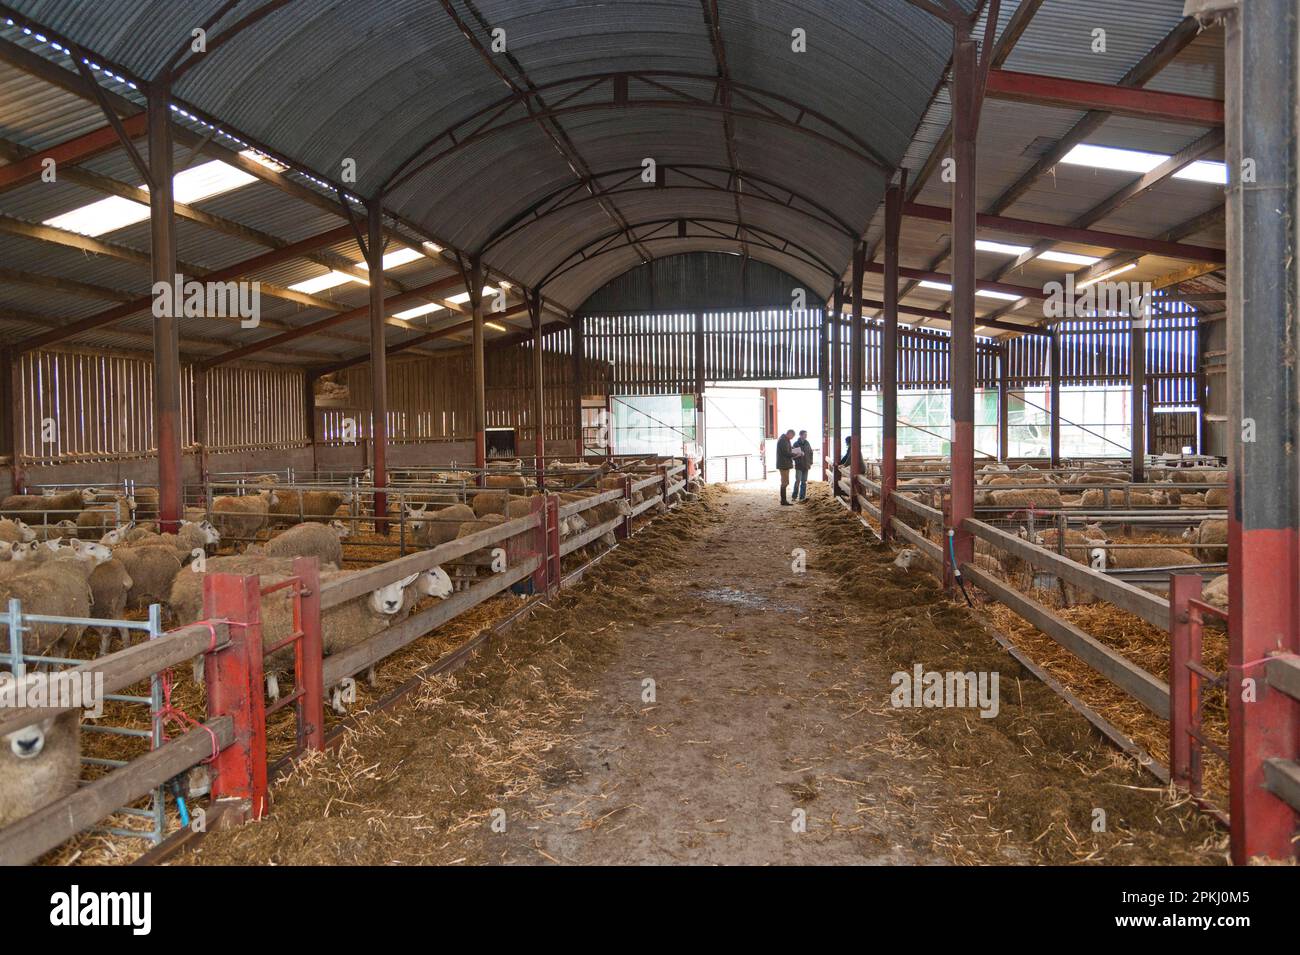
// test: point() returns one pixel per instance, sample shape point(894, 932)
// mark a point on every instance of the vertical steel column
point(1054, 397)
point(1264, 514)
point(837, 384)
point(201, 419)
point(166, 346)
point(309, 413)
point(1004, 402)
point(824, 383)
point(579, 362)
point(475, 290)
point(965, 80)
point(539, 388)
point(1137, 379)
point(1202, 386)
point(10, 414)
point(378, 361)
point(889, 360)
point(857, 373)
point(701, 425)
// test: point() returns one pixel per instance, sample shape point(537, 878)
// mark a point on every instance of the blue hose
point(956, 571)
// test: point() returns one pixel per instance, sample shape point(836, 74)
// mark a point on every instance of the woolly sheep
point(242, 517)
point(440, 526)
point(490, 502)
point(1097, 497)
point(292, 506)
point(1216, 497)
point(310, 540)
point(110, 583)
point(39, 764)
point(1215, 593)
point(1130, 558)
point(1211, 531)
point(1029, 497)
point(188, 539)
point(94, 522)
point(152, 570)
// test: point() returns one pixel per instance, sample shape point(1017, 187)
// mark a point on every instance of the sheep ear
point(407, 581)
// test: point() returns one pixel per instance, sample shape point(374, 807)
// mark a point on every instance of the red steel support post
point(575, 375)
point(233, 677)
point(837, 384)
point(378, 362)
point(1260, 48)
point(475, 290)
point(1004, 402)
point(311, 655)
point(1054, 398)
point(889, 359)
point(10, 413)
point(701, 426)
point(857, 373)
point(1137, 376)
point(166, 344)
point(824, 384)
point(965, 96)
point(539, 389)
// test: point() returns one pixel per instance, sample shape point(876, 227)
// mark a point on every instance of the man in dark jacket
point(784, 461)
point(803, 455)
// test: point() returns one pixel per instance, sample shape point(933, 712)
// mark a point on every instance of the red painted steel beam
point(1061, 233)
point(235, 271)
point(1081, 94)
point(71, 151)
point(410, 297)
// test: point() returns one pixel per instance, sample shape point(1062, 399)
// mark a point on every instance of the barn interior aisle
point(767, 735)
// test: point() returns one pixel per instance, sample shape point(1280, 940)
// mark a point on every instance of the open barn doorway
point(744, 421)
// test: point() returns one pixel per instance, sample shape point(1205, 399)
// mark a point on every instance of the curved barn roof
point(532, 154)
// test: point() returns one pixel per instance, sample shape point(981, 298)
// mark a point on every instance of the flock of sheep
point(1029, 487)
point(97, 562)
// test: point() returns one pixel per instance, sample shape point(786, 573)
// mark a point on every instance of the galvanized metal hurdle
point(20, 622)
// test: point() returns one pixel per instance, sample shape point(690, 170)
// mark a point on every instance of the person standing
point(803, 455)
point(785, 461)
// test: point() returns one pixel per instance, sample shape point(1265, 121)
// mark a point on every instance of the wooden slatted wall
point(98, 406)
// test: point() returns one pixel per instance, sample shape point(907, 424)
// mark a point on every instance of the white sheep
point(321, 541)
point(39, 764)
point(15, 531)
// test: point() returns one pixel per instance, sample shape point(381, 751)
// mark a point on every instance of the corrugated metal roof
point(687, 282)
point(322, 80)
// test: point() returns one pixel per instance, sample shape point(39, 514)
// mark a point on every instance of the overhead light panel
point(1132, 160)
point(418, 311)
point(188, 186)
point(983, 245)
point(1070, 258)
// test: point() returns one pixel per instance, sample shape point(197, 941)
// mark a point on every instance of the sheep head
point(210, 534)
point(340, 529)
point(25, 532)
point(435, 582)
point(89, 494)
point(117, 534)
point(387, 600)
